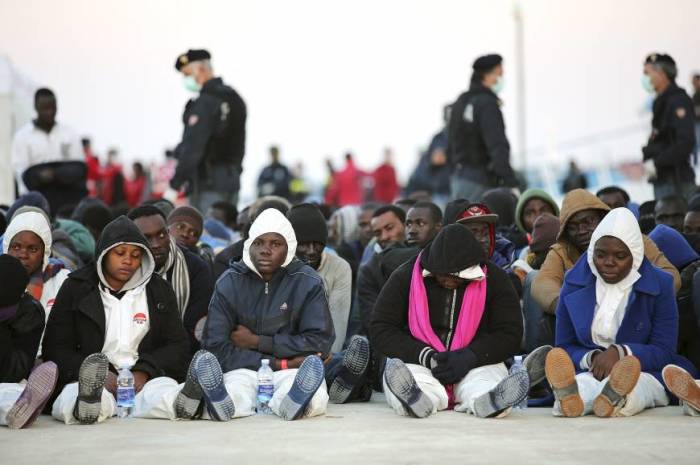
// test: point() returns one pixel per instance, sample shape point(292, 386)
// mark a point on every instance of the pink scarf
point(470, 314)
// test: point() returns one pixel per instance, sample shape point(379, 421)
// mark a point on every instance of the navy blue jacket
point(290, 314)
point(649, 327)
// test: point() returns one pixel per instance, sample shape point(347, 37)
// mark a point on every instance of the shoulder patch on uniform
point(469, 113)
point(680, 112)
point(192, 120)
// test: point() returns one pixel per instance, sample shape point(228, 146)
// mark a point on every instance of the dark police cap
point(658, 58)
point(191, 55)
point(487, 62)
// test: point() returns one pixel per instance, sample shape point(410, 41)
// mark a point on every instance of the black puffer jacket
point(77, 326)
point(19, 340)
point(290, 314)
point(454, 249)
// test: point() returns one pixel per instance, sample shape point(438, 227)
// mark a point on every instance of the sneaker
point(623, 378)
point(534, 364)
point(402, 384)
point(682, 385)
point(189, 400)
point(91, 382)
point(31, 402)
point(508, 393)
point(306, 382)
point(208, 375)
point(561, 375)
point(353, 372)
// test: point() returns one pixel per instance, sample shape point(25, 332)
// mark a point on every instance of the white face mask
point(497, 88)
point(647, 85)
point(191, 84)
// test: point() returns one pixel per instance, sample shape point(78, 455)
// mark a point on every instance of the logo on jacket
point(140, 318)
point(284, 307)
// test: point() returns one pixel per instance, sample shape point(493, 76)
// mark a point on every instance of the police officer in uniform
point(672, 140)
point(213, 142)
point(477, 145)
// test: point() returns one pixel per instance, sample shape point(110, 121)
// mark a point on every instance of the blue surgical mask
point(191, 84)
point(647, 85)
point(497, 88)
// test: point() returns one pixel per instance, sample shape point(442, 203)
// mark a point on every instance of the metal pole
point(520, 83)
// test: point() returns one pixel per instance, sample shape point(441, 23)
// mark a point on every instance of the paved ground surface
point(364, 434)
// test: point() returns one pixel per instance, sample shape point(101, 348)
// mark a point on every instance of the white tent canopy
point(16, 108)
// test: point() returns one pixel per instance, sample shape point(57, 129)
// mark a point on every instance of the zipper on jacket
point(452, 317)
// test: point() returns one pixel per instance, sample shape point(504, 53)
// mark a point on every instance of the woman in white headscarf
point(617, 327)
point(28, 239)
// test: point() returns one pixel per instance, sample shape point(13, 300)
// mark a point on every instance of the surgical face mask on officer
point(647, 85)
point(191, 84)
point(497, 87)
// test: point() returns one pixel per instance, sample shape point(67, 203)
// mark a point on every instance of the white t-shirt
point(32, 146)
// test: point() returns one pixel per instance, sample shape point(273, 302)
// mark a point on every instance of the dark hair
point(280, 205)
point(400, 214)
point(43, 92)
point(435, 212)
point(229, 209)
point(614, 190)
point(145, 210)
point(669, 69)
point(369, 206)
point(673, 199)
point(406, 202)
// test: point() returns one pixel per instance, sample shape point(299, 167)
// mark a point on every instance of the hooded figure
point(46, 275)
point(503, 202)
point(526, 197)
point(21, 323)
point(453, 317)
point(271, 306)
point(617, 316)
point(136, 324)
point(584, 211)
point(290, 311)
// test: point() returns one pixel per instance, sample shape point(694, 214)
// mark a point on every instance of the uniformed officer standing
point(213, 142)
point(477, 145)
point(672, 141)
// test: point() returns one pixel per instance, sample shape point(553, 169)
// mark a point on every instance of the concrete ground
point(364, 434)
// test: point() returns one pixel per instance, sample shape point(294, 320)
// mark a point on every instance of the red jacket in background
point(345, 187)
point(386, 188)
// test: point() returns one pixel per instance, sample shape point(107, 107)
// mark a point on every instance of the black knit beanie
point(308, 223)
point(14, 279)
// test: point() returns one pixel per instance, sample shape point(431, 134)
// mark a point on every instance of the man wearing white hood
point(271, 306)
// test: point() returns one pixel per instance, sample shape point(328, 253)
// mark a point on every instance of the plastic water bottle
point(266, 387)
point(518, 366)
point(125, 393)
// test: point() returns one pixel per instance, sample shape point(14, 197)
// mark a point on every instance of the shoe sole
point(306, 382)
point(402, 384)
point(507, 393)
point(40, 386)
point(534, 364)
point(211, 380)
point(623, 378)
point(682, 385)
point(561, 375)
point(356, 362)
point(189, 399)
point(91, 382)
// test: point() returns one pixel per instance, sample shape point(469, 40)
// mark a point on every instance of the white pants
point(648, 393)
point(477, 382)
point(157, 398)
point(9, 393)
